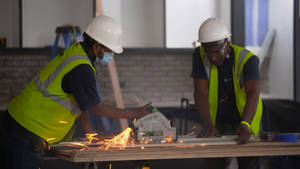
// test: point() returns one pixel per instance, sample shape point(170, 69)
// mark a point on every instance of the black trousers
point(230, 129)
point(221, 163)
point(20, 148)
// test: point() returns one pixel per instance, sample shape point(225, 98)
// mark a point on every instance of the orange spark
point(91, 137)
point(168, 139)
point(180, 141)
point(78, 145)
point(144, 141)
point(120, 140)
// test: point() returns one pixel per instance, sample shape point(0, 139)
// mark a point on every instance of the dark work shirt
point(227, 111)
point(81, 82)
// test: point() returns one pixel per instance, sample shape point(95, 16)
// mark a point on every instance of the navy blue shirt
point(81, 82)
point(227, 111)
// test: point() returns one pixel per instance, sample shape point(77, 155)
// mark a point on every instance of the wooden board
point(178, 151)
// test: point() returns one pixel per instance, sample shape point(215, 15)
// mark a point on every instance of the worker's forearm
point(85, 122)
point(250, 109)
point(112, 112)
point(203, 108)
point(252, 97)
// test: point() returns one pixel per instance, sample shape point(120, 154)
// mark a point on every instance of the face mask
point(107, 57)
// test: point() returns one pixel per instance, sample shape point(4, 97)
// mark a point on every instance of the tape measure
point(286, 137)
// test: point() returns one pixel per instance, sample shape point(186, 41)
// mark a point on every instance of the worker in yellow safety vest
point(65, 89)
point(226, 85)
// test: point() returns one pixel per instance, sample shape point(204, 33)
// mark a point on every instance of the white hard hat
point(107, 31)
point(211, 30)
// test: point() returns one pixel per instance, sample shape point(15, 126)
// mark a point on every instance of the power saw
point(154, 126)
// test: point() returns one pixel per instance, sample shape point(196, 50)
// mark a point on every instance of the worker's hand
point(243, 134)
point(142, 111)
point(209, 131)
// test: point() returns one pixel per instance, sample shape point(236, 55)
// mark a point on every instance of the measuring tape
point(286, 137)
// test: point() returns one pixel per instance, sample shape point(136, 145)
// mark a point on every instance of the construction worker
point(226, 86)
point(65, 89)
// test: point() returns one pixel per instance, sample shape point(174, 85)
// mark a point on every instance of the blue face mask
point(107, 57)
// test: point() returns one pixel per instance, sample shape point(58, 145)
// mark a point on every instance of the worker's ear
point(227, 43)
point(94, 47)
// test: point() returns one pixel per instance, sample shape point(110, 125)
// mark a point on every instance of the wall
point(17, 68)
point(142, 21)
point(9, 22)
point(184, 19)
point(224, 11)
point(157, 76)
point(41, 17)
point(281, 61)
point(160, 76)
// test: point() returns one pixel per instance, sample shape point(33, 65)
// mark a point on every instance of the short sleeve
point(251, 69)
point(198, 70)
point(81, 82)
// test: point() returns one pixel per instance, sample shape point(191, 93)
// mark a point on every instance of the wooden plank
point(183, 151)
point(99, 10)
point(117, 90)
point(182, 140)
point(157, 145)
point(114, 76)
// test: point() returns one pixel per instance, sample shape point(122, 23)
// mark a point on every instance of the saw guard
point(154, 126)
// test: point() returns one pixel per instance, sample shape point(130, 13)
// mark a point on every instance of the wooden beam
point(99, 10)
point(117, 90)
point(114, 76)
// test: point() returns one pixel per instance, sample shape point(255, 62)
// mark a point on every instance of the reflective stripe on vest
point(43, 107)
point(42, 86)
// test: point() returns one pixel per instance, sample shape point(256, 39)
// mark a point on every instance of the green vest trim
point(43, 107)
point(240, 58)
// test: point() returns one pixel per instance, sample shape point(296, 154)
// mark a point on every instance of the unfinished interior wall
point(9, 22)
point(224, 11)
point(41, 17)
point(262, 18)
point(160, 76)
point(184, 19)
point(142, 21)
point(281, 78)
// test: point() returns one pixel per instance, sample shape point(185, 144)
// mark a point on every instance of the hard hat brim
point(117, 50)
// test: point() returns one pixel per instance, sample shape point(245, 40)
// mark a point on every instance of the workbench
point(176, 151)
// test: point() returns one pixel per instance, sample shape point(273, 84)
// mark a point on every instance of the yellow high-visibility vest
point(43, 107)
point(241, 55)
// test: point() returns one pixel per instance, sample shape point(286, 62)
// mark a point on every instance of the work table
point(177, 151)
